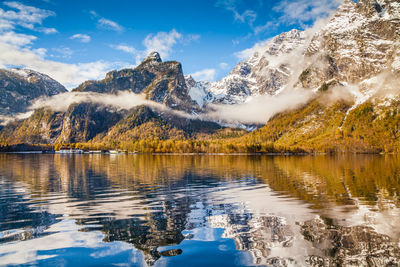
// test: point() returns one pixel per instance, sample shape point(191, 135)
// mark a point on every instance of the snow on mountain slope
point(47, 84)
point(360, 41)
point(198, 91)
point(359, 47)
point(266, 71)
point(18, 87)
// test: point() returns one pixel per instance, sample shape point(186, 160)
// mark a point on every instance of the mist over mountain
point(18, 87)
point(309, 87)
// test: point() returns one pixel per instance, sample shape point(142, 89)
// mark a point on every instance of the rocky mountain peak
point(360, 41)
point(18, 87)
point(346, 6)
point(265, 71)
point(190, 81)
point(153, 57)
point(384, 9)
point(162, 82)
point(49, 85)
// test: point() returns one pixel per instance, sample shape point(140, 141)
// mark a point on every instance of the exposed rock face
point(162, 82)
point(360, 41)
point(267, 71)
point(84, 121)
point(18, 87)
point(358, 50)
point(80, 123)
point(87, 121)
point(198, 91)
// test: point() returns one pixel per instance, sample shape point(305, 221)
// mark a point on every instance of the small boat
point(69, 151)
point(118, 152)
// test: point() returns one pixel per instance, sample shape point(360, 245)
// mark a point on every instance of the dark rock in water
point(171, 252)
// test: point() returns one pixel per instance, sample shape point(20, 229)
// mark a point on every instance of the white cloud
point(162, 42)
point(190, 38)
point(247, 16)
point(70, 75)
point(120, 100)
point(204, 75)
point(83, 38)
point(125, 48)
point(16, 50)
point(223, 65)
point(61, 102)
point(24, 16)
point(259, 109)
point(63, 52)
point(301, 11)
point(106, 23)
point(40, 51)
point(94, 13)
point(247, 53)
point(16, 39)
point(48, 30)
point(262, 28)
point(110, 25)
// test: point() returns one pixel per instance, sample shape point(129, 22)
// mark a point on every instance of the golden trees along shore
point(317, 127)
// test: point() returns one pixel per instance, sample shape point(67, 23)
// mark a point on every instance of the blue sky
point(73, 40)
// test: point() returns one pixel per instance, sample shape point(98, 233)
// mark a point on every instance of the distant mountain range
point(18, 87)
point(350, 69)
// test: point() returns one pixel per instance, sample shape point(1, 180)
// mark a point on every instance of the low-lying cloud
point(259, 109)
point(122, 100)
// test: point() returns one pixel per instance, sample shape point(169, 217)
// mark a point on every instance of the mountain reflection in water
point(199, 210)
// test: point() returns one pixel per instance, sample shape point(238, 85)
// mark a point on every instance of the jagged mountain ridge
point(351, 65)
point(360, 41)
point(367, 29)
point(18, 87)
point(266, 71)
point(84, 122)
point(162, 82)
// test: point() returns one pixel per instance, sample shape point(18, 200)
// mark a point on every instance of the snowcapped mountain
point(352, 66)
point(349, 70)
point(199, 91)
point(18, 87)
point(360, 41)
point(266, 71)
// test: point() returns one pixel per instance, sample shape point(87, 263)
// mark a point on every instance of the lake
point(199, 210)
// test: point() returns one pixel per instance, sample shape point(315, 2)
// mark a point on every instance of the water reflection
point(196, 210)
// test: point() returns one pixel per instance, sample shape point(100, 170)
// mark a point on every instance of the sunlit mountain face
point(200, 133)
point(238, 210)
point(266, 77)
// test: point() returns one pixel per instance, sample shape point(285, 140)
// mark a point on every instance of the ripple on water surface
point(199, 210)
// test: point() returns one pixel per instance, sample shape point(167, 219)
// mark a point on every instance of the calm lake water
point(140, 210)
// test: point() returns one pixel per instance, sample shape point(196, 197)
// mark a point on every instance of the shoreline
point(203, 154)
